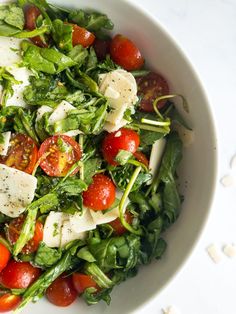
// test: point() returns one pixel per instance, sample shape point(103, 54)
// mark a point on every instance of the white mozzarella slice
point(6, 143)
point(8, 47)
point(22, 75)
point(111, 93)
point(60, 112)
point(17, 190)
point(52, 229)
point(68, 234)
point(115, 116)
point(73, 133)
point(102, 218)
point(41, 111)
point(110, 127)
point(81, 223)
point(156, 155)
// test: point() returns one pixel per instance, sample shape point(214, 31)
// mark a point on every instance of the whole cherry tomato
point(101, 193)
point(8, 302)
point(124, 139)
point(62, 291)
point(4, 256)
point(116, 224)
point(125, 53)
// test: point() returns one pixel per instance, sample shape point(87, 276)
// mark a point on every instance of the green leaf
point(46, 256)
point(149, 138)
point(72, 186)
point(91, 21)
point(91, 166)
point(123, 156)
point(12, 16)
point(98, 275)
point(86, 255)
point(78, 54)
point(62, 35)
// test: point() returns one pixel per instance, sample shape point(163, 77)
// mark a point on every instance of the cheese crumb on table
point(227, 181)
point(214, 253)
point(229, 250)
point(171, 310)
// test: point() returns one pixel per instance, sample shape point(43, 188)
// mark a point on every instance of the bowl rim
point(215, 161)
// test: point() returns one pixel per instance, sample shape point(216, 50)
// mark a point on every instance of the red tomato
point(62, 291)
point(4, 256)
point(64, 153)
point(31, 14)
point(80, 36)
point(150, 87)
point(124, 139)
point(8, 302)
point(14, 231)
point(18, 275)
point(125, 53)
point(22, 154)
point(116, 224)
point(102, 48)
point(100, 194)
point(82, 282)
point(141, 158)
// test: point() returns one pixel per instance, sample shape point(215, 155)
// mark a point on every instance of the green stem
point(152, 128)
point(124, 198)
point(185, 104)
point(81, 142)
point(152, 122)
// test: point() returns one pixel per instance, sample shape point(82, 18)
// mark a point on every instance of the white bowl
point(198, 167)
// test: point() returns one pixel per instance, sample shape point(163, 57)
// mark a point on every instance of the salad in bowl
point(88, 156)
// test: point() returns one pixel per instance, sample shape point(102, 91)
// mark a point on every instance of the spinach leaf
point(91, 21)
point(11, 20)
point(47, 60)
point(62, 35)
point(46, 256)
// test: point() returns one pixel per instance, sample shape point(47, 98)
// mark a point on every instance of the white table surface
point(206, 30)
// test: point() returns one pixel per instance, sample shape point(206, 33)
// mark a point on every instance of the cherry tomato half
point(150, 87)
point(62, 291)
point(80, 36)
point(4, 256)
point(14, 230)
point(22, 154)
point(116, 224)
point(124, 139)
point(63, 151)
point(82, 282)
point(141, 158)
point(102, 48)
point(100, 194)
point(125, 53)
point(31, 15)
point(18, 275)
point(8, 302)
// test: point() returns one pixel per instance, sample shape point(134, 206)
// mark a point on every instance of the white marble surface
point(206, 30)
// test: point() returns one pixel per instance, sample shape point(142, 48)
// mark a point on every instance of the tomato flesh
point(82, 282)
point(116, 224)
point(124, 139)
point(62, 291)
point(150, 87)
point(14, 230)
point(22, 154)
point(59, 159)
point(81, 36)
point(4, 256)
point(141, 158)
point(18, 275)
point(31, 15)
point(8, 302)
point(101, 193)
point(125, 53)
point(102, 48)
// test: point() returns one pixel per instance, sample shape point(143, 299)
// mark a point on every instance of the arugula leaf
point(11, 20)
point(91, 166)
point(46, 256)
point(98, 275)
point(91, 296)
point(24, 123)
point(149, 138)
point(7, 80)
point(47, 60)
point(91, 21)
point(62, 35)
point(123, 156)
point(85, 254)
point(72, 186)
point(78, 54)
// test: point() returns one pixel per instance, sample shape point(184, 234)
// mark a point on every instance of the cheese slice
point(81, 223)
point(9, 51)
point(41, 111)
point(17, 190)
point(156, 155)
point(6, 143)
point(68, 234)
point(53, 228)
point(110, 127)
point(60, 112)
